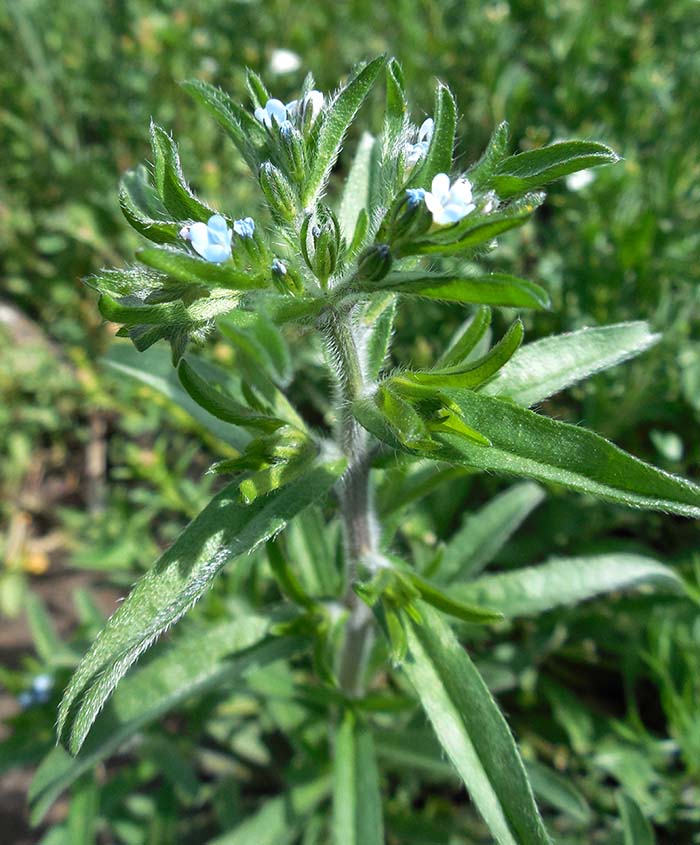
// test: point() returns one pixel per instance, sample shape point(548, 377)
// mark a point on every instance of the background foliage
point(99, 470)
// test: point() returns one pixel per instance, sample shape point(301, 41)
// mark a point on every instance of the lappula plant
point(362, 628)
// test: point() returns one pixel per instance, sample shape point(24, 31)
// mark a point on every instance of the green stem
point(355, 493)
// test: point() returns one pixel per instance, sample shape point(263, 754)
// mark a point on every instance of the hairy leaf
point(541, 369)
point(472, 731)
point(490, 289)
point(564, 581)
point(539, 167)
point(357, 807)
point(224, 530)
point(198, 660)
point(483, 534)
point(337, 118)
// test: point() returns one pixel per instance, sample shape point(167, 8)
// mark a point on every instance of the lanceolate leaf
point(563, 581)
point(224, 530)
point(472, 731)
point(476, 372)
point(336, 120)
point(635, 826)
point(221, 405)
point(198, 660)
point(538, 167)
point(143, 209)
point(280, 820)
point(465, 340)
point(357, 808)
point(439, 157)
point(534, 446)
point(357, 186)
point(238, 123)
point(483, 533)
point(494, 154)
point(130, 311)
point(184, 267)
point(491, 289)
point(170, 183)
point(543, 368)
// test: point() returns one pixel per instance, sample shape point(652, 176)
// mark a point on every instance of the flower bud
point(278, 192)
point(375, 262)
point(292, 151)
point(411, 218)
point(321, 243)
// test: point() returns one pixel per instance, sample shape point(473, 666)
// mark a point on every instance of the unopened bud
point(279, 193)
point(375, 262)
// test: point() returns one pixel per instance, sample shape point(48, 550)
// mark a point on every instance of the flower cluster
point(277, 113)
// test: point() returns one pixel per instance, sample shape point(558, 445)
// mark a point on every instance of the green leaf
point(198, 659)
point(181, 265)
point(395, 116)
point(357, 808)
point(541, 369)
point(564, 581)
point(636, 827)
point(539, 167)
point(439, 157)
point(280, 820)
point(490, 289)
point(337, 117)
point(495, 153)
point(475, 614)
point(311, 546)
point(530, 445)
point(484, 533)
point(154, 368)
point(558, 791)
point(238, 123)
point(130, 311)
point(472, 731)
point(357, 186)
point(143, 209)
point(83, 812)
point(221, 405)
point(224, 530)
point(377, 321)
point(177, 196)
point(466, 338)
point(474, 373)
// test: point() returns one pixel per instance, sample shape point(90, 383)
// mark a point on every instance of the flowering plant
point(374, 633)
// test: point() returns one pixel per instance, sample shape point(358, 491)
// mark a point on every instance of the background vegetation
point(99, 470)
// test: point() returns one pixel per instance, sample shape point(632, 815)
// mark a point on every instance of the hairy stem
point(356, 506)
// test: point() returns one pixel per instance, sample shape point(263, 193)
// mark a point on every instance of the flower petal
point(216, 253)
point(461, 191)
point(199, 237)
point(425, 133)
point(217, 223)
point(440, 186)
point(276, 110)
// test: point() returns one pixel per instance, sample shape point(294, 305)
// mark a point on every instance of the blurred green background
point(98, 471)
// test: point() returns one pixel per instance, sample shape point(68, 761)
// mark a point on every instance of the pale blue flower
point(279, 268)
point(415, 196)
point(211, 240)
point(449, 203)
point(415, 152)
point(275, 111)
point(245, 227)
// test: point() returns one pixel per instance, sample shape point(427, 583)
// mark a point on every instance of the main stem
point(356, 507)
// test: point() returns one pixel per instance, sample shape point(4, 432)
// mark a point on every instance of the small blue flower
point(415, 196)
point(26, 700)
point(41, 688)
point(447, 202)
point(245, 227)
point(278, 267)
point(212, 240)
